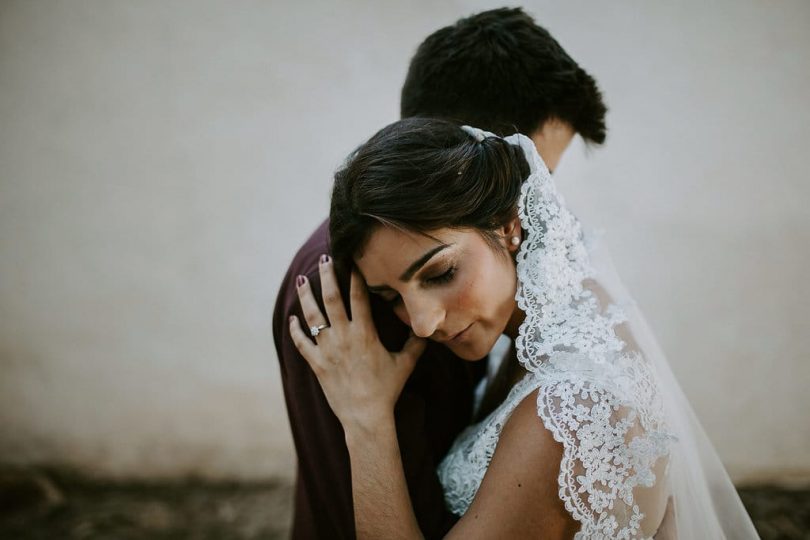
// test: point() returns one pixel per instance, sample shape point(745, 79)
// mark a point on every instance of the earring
point(515, 240)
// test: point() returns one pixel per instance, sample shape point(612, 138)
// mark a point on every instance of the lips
point(457, 335)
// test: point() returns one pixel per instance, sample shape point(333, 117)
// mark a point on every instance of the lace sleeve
point(613, 473)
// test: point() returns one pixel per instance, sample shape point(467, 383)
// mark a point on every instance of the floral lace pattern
point(596, 396)
point(608, 417)
point(464, 466)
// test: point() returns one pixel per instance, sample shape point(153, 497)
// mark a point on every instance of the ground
point(47, 505)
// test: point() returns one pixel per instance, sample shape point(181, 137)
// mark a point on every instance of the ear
point(511, 231)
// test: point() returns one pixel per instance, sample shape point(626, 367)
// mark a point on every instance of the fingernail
point(292, 318)
point(300, 280)
point(325, 259)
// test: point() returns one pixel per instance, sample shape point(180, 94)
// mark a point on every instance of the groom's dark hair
point(500, 71)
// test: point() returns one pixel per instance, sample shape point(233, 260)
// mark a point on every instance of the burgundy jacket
point(435, 405)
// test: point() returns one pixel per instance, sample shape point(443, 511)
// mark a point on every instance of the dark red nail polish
point(325, 259)
point(300, 280)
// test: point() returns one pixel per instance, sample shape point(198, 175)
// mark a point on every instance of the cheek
point(488, 291)
point(477, 292)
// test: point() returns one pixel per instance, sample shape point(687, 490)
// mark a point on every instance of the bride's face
point(457, 290)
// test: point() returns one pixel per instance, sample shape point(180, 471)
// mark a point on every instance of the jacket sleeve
point(323, 497)
point(323, 500)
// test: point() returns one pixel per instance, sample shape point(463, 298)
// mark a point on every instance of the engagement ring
point(315, 330)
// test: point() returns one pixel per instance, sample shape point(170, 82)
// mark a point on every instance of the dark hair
point(500, 71)
point(420, 175)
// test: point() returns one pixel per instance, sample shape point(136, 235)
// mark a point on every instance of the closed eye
point(445, 277)
point(441, 279)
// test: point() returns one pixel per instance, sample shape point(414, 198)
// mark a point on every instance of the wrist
point(370, 428)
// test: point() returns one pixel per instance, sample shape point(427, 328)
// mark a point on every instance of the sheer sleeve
point(613, 473)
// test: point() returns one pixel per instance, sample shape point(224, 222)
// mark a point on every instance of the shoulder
point(305, 260)
point(391, 330)
point(519, 494)
point(525, 440)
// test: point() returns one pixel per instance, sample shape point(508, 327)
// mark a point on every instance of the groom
point(496, 70)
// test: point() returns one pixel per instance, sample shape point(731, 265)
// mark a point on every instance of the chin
point(465, 353)
point(471, 351)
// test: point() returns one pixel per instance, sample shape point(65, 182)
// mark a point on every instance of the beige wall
point(160, 162)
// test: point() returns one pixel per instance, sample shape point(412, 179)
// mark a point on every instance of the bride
point(583, 432)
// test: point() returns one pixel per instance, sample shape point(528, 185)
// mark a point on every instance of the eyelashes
point(444, 278)
point(441, 279)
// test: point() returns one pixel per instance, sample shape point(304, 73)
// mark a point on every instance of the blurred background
point(161, 162)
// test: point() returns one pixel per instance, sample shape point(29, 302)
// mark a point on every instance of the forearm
point(382, 505)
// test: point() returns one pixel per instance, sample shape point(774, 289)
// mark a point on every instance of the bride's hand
point(360, 378)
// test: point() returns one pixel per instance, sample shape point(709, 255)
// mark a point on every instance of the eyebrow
point(412, 269)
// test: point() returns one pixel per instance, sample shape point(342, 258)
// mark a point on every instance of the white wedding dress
point(603, 388)
point(609, 416)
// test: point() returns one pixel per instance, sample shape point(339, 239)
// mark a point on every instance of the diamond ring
point(315, 330)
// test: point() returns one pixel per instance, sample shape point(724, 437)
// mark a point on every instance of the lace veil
point(632, 446)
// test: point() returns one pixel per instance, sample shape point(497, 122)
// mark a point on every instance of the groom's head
point(500, 71)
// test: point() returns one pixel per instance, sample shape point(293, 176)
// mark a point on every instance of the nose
point(424, 316)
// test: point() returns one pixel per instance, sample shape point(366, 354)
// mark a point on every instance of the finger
point(312, 313)
point(332, 300)
point(411, 352)
point(358, 298)
point(414, 347)
point(305, 346)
